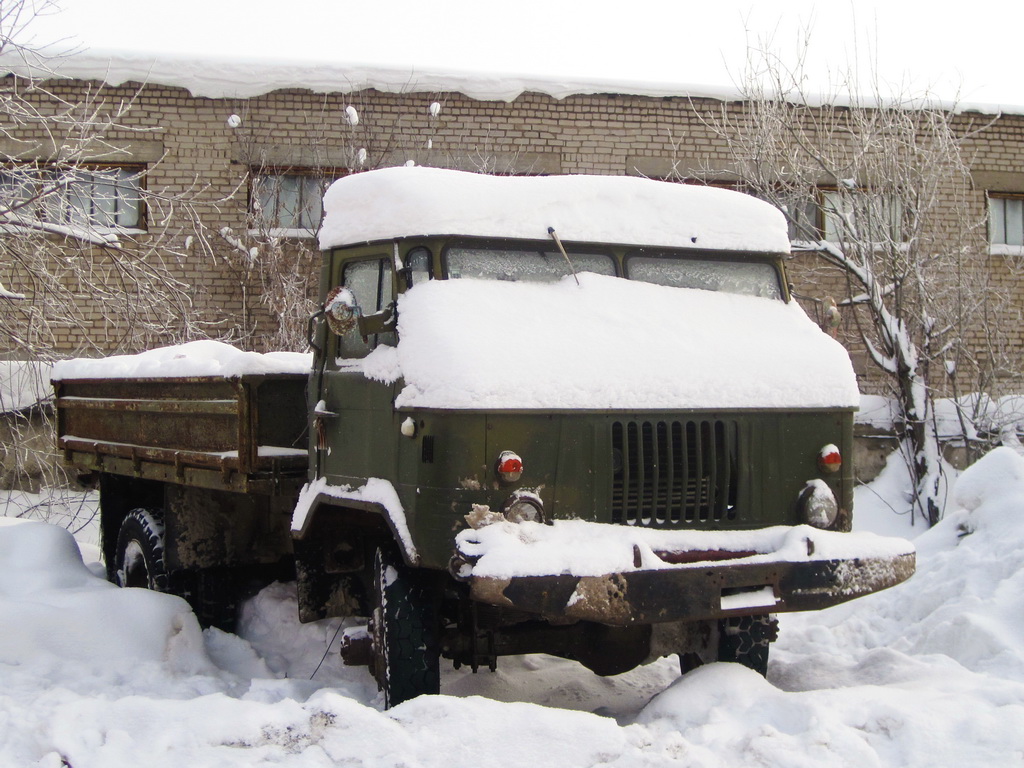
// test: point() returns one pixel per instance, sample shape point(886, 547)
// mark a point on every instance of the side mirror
point(341, 310)
point(344, 315)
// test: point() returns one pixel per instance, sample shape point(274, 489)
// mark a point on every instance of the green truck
point(572, 415)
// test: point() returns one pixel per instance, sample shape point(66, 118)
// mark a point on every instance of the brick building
point(233, 187)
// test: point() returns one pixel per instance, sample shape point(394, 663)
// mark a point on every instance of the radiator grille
point(670, 473)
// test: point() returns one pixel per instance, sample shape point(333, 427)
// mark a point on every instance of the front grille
point(670, 473)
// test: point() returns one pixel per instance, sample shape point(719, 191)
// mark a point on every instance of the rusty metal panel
point(198, 422)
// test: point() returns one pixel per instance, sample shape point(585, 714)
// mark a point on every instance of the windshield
point(529, 265)
point(750, 278)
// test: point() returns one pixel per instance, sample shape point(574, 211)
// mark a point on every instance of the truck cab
point(574, 415)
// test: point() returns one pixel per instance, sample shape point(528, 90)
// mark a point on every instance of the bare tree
point(879, 191)
point(89, 245)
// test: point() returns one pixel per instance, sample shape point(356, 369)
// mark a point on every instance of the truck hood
point(607, 343)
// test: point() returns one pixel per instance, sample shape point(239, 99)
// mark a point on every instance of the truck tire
point(214, 596)
point(139, 555)
point(403, 632)
point(139, 562)
point(745, 640)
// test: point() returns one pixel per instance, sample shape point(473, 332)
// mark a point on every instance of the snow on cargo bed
point(606, 343)
point(196, 358)
point(505, 550)
point(409, 201)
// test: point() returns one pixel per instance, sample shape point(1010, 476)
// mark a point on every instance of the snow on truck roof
point(414, 201)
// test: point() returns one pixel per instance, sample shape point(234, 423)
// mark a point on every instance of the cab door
point(353, 414)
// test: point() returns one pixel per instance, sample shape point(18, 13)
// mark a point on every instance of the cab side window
point(372, 284)
point(417, 267)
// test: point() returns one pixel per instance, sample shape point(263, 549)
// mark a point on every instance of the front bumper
point(764, 574)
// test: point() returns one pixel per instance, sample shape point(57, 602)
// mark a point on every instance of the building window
point(803, 216)
point(820, 213)
point(288, 200)
point(1006, 219)
point(109, 197)
point(862, 216)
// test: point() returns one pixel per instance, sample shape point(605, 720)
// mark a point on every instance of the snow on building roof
point(239, 49)
point(411, 201)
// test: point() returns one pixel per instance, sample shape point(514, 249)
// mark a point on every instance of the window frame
point(1003, 197)
point(708, 258)
point(351, 346)
point(524, 246)
point(893, 210)
point(59, 207)
point(258, 221)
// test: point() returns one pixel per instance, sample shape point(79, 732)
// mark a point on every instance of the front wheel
point(403, 632)
point(746, 639)
point(741, 640)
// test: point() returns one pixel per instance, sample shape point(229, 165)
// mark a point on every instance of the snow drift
point(52, 606)
point(929, 673)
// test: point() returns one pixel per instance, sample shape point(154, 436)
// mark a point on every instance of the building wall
point(198, 163)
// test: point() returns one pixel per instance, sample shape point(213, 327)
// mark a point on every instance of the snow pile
point(504, 550)
point(877, 411)
point(966, 600)
point(54, 609)
point(976, 416)
point(930, 672)
point(196, 358)
point(410, 201)
point(607, 343)
point(23, 384)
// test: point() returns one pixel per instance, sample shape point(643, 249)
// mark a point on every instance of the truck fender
point(314, 509)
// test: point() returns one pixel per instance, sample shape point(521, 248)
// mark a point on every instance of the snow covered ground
point(930, 673)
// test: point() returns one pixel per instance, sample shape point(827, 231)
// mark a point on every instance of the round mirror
point(341, 310)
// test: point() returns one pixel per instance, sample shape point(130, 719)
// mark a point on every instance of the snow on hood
point(410, 201)
point(196, 358)
point(607, 343)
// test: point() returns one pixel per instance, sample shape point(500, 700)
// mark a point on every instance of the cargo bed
point(245, 433)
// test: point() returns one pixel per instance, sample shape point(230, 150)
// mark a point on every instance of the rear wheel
point(139, 555)
point(213, 594)
point(139, 562)
point(403, 632)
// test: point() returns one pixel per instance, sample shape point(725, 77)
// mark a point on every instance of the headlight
point(524, 506)
point(817, 504)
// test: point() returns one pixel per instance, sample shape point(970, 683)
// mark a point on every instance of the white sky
point(645, 46)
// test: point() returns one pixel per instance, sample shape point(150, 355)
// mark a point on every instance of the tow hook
point(356, 647)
